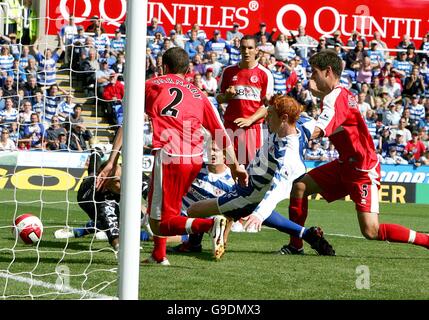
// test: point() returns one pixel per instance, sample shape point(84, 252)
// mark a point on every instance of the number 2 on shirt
point(170, 110)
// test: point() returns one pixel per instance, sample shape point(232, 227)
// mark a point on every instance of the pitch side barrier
point(65, 171)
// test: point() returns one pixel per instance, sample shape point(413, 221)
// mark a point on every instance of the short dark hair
point(249, 37)
point(176, 59)
point(327, 58)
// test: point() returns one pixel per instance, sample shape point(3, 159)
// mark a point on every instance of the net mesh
point(42, 174)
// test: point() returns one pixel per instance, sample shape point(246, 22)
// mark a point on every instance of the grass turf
point(250, 268)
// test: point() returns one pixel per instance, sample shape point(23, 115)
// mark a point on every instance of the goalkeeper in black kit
point(102, 206)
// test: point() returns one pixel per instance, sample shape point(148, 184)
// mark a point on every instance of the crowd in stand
point(392, 87)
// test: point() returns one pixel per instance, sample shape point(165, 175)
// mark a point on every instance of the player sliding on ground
point(271, 174)
point(178, 111)
point(356, 172)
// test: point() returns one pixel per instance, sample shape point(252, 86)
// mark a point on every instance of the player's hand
point(103, 176)
point(230, 93)
point(240, 174)
point(243, 122)
point(253, 222)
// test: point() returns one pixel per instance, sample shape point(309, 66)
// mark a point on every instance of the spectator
point(52, 101)
point(18, 73)
point(30, 88)
point(192, 44)
point(336, 39)
point(381, 44)
point(365, 71)
point(425, 47)
point(96, 22)
point(25, 114)
point(263, 31)
point(216, 43)
point(393, 87)
point(101, 41)
point(154, 27)
point(282, 50)
point(392, 116)
point(103, 77)
point(279, 75)
point(362, 105)
point(215, 65)
point(6, 144)
point(10, 89)
point(417, 111)
point(401, 66)
point(210, 82)
point(113, 94)
point(414, 149)
point(412, 56)
point(67, 33)
point(355, 38)
point(2, 100)
point(9, 113)
point(332, 153)
point(6, 58)
point(79, 137)
point(53, 132)
point(65, 108)
point(32, 68)
point(176, 40)
point(74, 118)
point(394, 158)
point(199, 83)
point(265, 46)
point(306, 44)
point(424, 159)
point(234, 33)
point(403, 45)
point(235, 54)
point(201, 34)
point(34, 133)
point(25, 56)
point(402, 128)
point(118, 43)
point(119, 66)
point(47, 70)
point(398, 143)
point(315, 152)
point(414, 84)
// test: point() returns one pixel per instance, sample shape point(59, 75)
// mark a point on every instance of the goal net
point(55, 114)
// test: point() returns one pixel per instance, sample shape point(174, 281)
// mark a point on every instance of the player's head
point(327, 60)
point(282, 110)
point(175, 60)
point(248, 48)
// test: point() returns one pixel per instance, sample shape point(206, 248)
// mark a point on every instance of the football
point(28, 229)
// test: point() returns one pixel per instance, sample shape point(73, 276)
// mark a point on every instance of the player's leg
point(108, 221)
point(325, 180)
point(313, 235)
point(298, 207)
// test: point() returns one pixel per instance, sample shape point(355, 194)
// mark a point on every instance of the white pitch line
point(63, 289)
point(344, 235)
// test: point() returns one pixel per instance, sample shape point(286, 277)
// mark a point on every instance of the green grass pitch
point(250, 268)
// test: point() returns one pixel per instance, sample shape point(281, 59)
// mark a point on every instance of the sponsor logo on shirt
point(247, 93)
point(254, 79)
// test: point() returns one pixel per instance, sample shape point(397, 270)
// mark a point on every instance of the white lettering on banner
point(63, 9)
point(188, 14)
point(405, 177)
point(284, 10)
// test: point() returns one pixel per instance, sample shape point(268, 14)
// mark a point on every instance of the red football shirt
point(251, 85)
point(342, 122)
point(178, 110)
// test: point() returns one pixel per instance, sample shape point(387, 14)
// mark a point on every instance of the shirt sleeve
point(334, 112)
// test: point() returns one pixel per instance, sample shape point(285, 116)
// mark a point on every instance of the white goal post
point(131, 184)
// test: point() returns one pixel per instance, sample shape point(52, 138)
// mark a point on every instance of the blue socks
point(279, 222)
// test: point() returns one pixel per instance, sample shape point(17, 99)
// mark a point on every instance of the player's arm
point(279, 190)
point(246, 122)
point(109, 168)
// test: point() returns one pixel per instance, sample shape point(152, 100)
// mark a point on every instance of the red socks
point(183, 225)
point(159, 248)
point(398, 233)
point(298, 209)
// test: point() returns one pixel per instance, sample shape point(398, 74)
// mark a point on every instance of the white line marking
point(344, 235)
point(60, 289)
